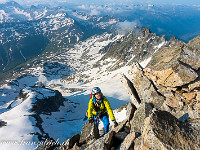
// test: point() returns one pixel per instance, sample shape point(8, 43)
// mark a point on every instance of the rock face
point(140, 114)
point(172, 133)
point(144, 87)
point(89, 132)
point(49, 104)
point(173, 66)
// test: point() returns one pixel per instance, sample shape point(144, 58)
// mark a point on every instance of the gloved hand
point(100, 116)
point(115, 123)
point(91, 120)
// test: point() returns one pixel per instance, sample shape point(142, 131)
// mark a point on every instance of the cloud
point(95, 12)
point(126, 26)
point(96, 9)
point(84, 7)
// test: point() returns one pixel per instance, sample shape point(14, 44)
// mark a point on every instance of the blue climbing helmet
point(96, 90)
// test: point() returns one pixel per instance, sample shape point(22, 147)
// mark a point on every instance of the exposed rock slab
point(144, 87)
point(172, 133)
point(128, 142)
point(103, 143)
point(173, 66)
point(131, 90)
point(89, 132)
point(140, 114)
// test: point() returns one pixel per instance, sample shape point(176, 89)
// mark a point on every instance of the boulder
point(175, 102)
point(128, 142)
point(194, 45)
point(69, 143)
point(168, 132)
point(173, 66)
point(103, 143)
point(194, 85)
point(190, 58)
point(131, 90)
point(140, 114)
point(148, 139)
point(145, 88)
point(185, 115)
point(120, 126)
point(89, 132)
point(130, 111)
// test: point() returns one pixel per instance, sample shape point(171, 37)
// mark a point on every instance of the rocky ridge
point(164, 113)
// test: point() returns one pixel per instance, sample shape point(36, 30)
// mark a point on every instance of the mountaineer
point(99, 108)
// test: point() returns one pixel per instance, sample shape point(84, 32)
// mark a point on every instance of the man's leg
point(96, 122)
point(106, 123)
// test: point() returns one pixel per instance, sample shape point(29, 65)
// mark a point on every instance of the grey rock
point(140, 114)
point(89, 132)
point(144, 87)
point(131, 90)
point(128, 142)
point(70, 142)
point(173, 133)
point(103, 143)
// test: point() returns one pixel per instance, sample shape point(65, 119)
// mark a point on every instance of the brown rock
point(174, 102)
point(185, 115)
point(89, 132)
point(189, 96)
point(177, 75)
point(172, 133)
point(194, 85)
point(140, 114)
point(137, 143)
point(172, 66)
point(131, 90)
point(144, 87)
point(128, 142)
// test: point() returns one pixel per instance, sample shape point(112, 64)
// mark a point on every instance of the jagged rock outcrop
point(194, 45)
point(145, 88)
point(140, 114)
point(70, 143)
point(136, 46)
point(173, 66)
point(48, 104)
point(169, 133)
point(131, 90)
point(89, 132)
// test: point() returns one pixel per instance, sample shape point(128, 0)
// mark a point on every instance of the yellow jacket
point(105, 106)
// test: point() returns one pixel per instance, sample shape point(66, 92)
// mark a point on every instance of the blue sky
point(35, 2)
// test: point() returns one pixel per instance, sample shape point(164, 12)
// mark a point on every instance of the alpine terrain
point(51, 58)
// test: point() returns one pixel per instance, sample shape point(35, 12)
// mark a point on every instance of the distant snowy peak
point(101, 21)
point(12, 11)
